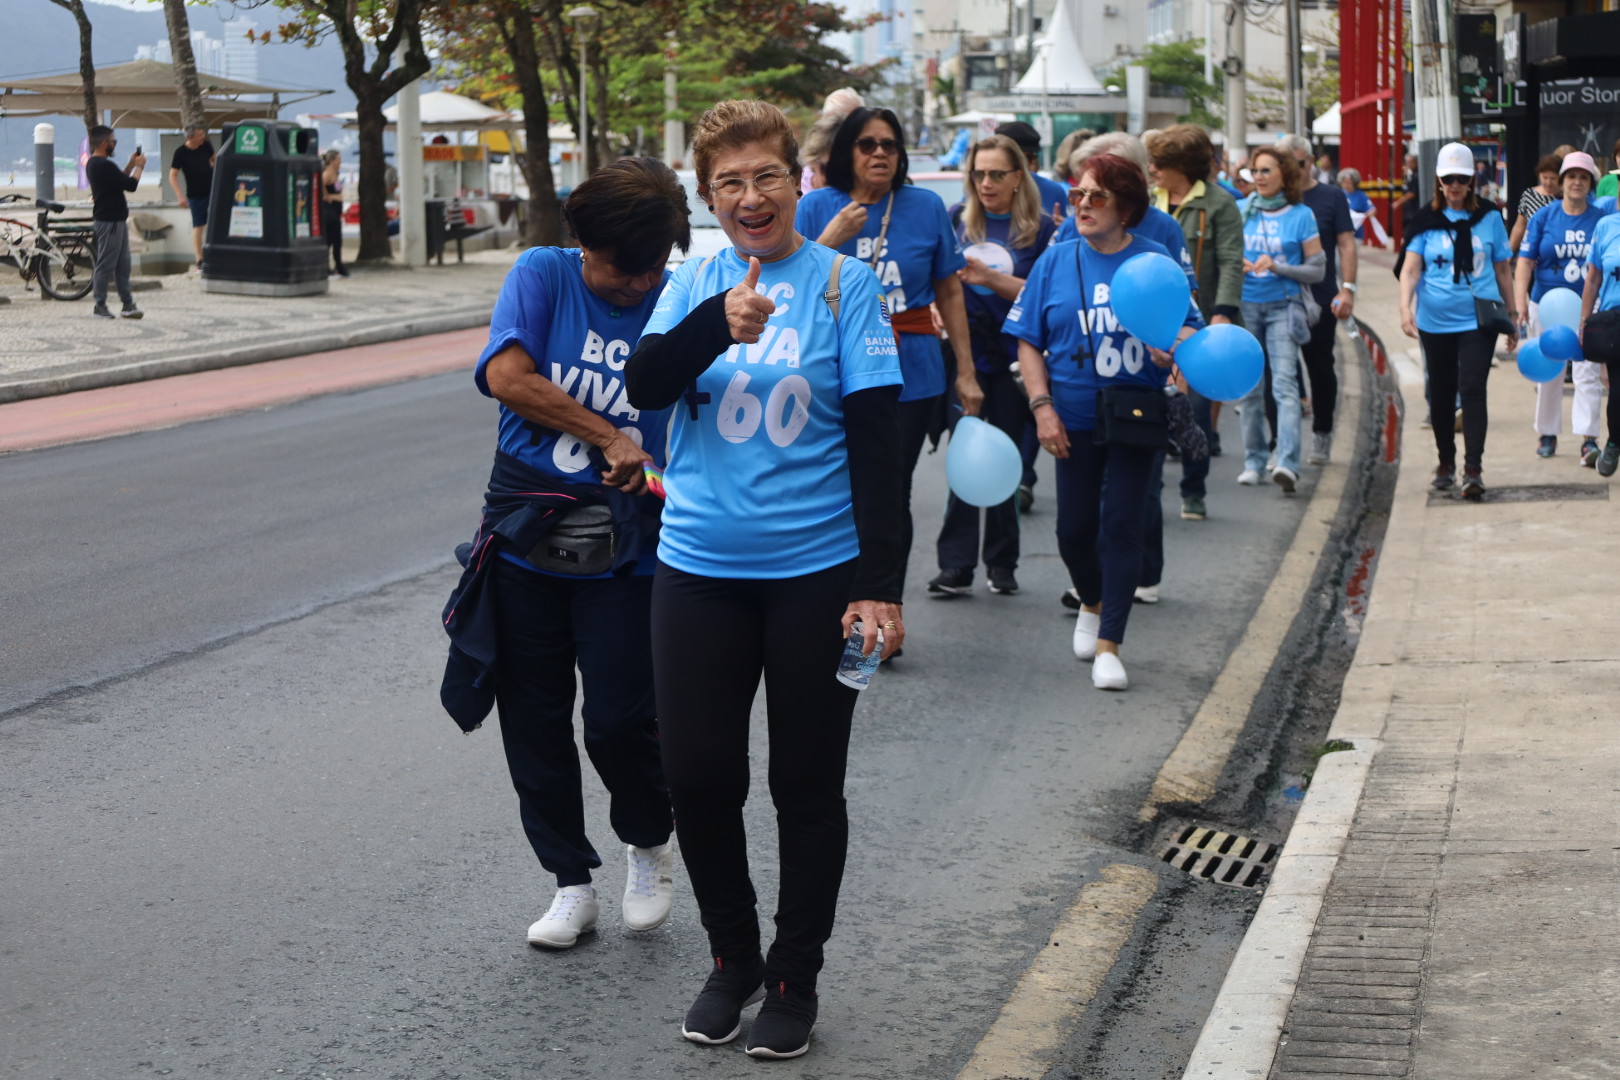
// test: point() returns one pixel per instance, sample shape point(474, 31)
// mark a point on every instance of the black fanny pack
point(1134, 416)
point(582, 543)
point(1600, 339)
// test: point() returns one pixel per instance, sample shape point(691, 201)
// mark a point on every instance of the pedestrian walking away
point(1600, 326)
point(1282, 254)
point(193, 162)
point(559, 574)
point(868, 212)
point(1081, 368)
point(109, 189)
point(782, 530)
point(1456, 256)
point(1553, 255)
point(1002, 230)
point(332, 208)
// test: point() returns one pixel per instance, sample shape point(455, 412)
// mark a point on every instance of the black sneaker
point(1026, 498)
point(950, 583)
point(1071, 599)
point(1473, 487)
point(131, 312)
point(716, 1016)
point(782, 1028)
point(1548, 446)
point(1214, 438)
point(101, 312)
point(1609, 459)
point(1444, 477)
point(1002, 582)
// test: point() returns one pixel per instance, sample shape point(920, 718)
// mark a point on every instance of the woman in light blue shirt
point(1602, 293)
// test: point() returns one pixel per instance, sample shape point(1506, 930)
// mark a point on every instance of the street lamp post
point(584, 17)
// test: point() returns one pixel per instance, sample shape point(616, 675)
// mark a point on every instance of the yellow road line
point(1052, 995)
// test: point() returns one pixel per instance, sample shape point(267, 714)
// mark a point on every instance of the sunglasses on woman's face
point(868, 145)
point(997, 176)
point(1456, 181)
point(1080, 196)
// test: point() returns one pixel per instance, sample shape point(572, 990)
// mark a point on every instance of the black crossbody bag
point(1600, 337)
point(1133, 416)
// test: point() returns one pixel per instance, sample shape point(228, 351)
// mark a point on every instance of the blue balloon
point(1150, 296)
point(1536, 365)
point(982, 465)
point(1560, 343)
point(1560, 307)
point(1222, 362)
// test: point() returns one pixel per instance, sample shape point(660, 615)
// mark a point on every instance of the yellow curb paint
point(1191, 771)
point(1046, 1005)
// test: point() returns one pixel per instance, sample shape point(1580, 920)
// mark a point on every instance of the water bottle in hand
point(855, 670)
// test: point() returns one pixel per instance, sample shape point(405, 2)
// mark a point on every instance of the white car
point(707, 236)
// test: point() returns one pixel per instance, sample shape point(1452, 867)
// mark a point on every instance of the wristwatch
point(1349, 287)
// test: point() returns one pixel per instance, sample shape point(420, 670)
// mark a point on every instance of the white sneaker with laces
point(1108, 672)
point(1249, 477)
point(1147, 594)
point(649, 887)
point(1086, 626)
point(572, 913)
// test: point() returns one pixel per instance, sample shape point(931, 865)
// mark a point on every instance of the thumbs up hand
point(747, 308)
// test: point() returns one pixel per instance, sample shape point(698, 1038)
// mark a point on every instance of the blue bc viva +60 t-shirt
point(1157, 226)
point(758, 482)
point(919, 249)
point(1049, 312)
point(1282, 234)
point(1559, 243)
point(1605, 256)
point(1445, 306)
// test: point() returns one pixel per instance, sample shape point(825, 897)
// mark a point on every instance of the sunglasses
point(1096, 198)
point(997, 176)
point(868, 145)
point(1456, 181)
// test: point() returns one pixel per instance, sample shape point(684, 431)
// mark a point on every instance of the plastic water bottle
point(855, 670)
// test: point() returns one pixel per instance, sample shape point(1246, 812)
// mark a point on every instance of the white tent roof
point(443, 111)
point(1066, 70)
point(974, 117)
point(1327, 123)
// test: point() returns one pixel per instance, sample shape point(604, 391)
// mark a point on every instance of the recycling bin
point(264, 223)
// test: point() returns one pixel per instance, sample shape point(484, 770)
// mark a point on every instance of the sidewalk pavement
point(52, 347)
point(1447, 905)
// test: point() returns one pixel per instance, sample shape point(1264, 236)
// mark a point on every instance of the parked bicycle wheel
point(68, 272)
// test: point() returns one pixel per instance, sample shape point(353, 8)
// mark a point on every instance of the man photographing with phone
point(109, 187)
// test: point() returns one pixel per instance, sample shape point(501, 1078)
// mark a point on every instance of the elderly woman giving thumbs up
point(781, 530)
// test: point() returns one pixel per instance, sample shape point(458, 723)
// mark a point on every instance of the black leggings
point(915, 419)
point(1614, 401)
point(1318, 356)
point(332, 225)
point(1458, 364)
point(712, 639)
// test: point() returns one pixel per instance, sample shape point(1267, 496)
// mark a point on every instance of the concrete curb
point(214, 359)
point(1244, 1029)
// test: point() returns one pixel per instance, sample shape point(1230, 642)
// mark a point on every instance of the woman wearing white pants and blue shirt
point(1282, 253)
point(1553, 256)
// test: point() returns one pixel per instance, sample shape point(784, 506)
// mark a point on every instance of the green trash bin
point(264, 222)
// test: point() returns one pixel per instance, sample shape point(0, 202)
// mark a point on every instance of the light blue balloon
point(1222, 362)
point(1560, 343)
point(982, 465)
point(1150, 296)
point(1560, 307)
point(1536, 365)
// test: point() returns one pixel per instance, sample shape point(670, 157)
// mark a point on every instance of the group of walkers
point(702, 480)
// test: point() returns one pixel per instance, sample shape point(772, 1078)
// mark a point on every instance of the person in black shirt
point(108, 187)
point(195, 160)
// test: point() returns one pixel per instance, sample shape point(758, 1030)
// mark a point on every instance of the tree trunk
point(599, 106)
point(185, 65)
point(543, 226)
point(87, 64)
point(372, 190)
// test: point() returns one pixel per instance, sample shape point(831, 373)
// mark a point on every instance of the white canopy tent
point(1059, 68)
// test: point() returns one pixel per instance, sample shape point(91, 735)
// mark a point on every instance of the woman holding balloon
point(1456, 255)
point(1081, 368)
point(1552, 260)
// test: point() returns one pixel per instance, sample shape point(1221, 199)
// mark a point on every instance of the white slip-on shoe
point(1108, 672)
point(572, 913)
point(1147, 594)
point(1284, 478)
point(1249, 477)
point(1086, 626)
point(649, 886)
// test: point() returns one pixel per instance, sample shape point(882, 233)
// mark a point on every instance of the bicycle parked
point(63, 262)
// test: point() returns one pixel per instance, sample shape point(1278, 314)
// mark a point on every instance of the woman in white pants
point(1553, 256)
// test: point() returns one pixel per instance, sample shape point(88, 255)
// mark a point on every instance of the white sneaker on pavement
point(1249, 477)
point(1108, 672)
point(649, 886)
point(572, 913)
point(1086, 626)
point(1285, 479)
point(1147, 594)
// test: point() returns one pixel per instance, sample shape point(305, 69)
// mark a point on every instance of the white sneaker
point(1147, 594)
point(1108, 672)
point(1321, 448)
point(649, 887)
point(1249, 477)
point(572, 913)
point(1085, 634)
point(1285, 479)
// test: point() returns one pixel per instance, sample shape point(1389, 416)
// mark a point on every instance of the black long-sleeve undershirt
point(664, 365)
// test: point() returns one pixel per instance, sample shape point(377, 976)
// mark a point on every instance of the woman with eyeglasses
point(781, 530)
point(1074, 357)
point(1456, 254)
point(1003, 231)
point(1282, 254)
point(869, 212)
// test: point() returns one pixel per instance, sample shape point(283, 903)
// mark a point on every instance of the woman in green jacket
point(1184, 159)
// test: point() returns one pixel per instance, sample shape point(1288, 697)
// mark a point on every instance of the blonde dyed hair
point(732, 125)
point(1026, 202)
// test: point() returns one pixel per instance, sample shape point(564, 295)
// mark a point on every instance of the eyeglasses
point(997, 176)
point(1456, 181)
point(868, 145)
point(1097, 198)
point(1262, 172)
point(732, 187)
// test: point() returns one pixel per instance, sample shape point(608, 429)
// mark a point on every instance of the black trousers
point(1317, 354)
point(712, 640)
point(547, 626)
point(1458, 364)
point(1006, 407)
point(332, 226)
point(1101, 496)
point(1613, 407)
point(915, 418)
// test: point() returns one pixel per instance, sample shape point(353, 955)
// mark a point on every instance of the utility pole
point(1235, 66)
point(1296, 72)
point(1439, 114)
point(674, 130)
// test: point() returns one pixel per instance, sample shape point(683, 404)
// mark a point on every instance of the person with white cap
point(1456, 262)
point(1553, 256)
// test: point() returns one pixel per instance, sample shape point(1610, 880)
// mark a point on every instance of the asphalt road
point(241, 839)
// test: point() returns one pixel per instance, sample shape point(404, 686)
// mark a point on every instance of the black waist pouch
point(582, 543)
point(1134, 416)
point(1600, 339)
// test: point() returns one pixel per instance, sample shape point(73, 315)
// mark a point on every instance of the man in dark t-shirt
point(193, 160)
point(109, 186)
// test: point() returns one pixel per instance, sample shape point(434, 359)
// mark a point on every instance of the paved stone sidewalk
point(50, 347)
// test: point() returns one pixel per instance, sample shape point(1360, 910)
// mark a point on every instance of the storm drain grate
point(1224, 858)
point(1522, 493)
